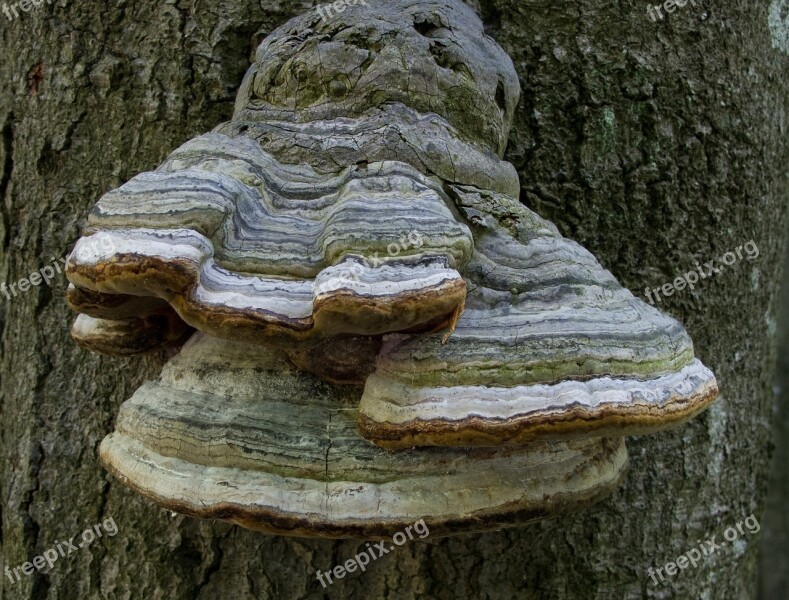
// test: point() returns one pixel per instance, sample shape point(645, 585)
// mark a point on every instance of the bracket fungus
point(383, 332)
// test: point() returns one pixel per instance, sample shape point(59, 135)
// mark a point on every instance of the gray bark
point(655, 145)
point(774, 551)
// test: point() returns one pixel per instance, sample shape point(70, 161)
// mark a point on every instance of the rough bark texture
point(653, 144)
point(774, 551)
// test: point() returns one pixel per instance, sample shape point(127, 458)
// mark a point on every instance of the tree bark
point(773, 555)
point(653, 144)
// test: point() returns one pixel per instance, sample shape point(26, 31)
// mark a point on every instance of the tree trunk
point(774, 556)
point(653, 144)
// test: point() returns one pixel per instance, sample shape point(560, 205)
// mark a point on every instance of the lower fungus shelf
point(232, 431)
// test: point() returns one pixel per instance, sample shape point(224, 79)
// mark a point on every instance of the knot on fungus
point(350, 264)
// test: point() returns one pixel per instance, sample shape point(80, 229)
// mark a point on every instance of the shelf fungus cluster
point(374, 330)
